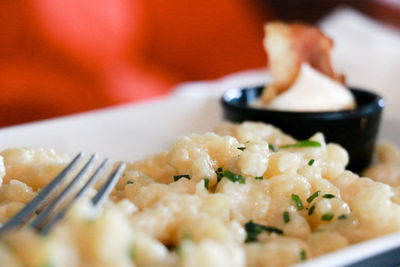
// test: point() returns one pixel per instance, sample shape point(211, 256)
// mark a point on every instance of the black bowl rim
point(375, 106)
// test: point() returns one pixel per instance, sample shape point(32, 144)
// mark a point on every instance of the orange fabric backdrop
point(59, 57)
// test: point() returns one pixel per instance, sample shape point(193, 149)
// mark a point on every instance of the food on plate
point(244, 195)
point(387, 169)
point(302, 72)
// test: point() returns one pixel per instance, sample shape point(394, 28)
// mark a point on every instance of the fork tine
point(81, 192)
point(41, 218)
point(105, 190)
point(41, 198)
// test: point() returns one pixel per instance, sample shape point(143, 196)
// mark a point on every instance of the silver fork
point(52, 213)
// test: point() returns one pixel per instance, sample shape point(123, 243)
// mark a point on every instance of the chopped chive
point(259, 178)
point(187, 236)
point(342, 217)
point(286, 217)
point(311, 162)
point(129, 182)
point(272, 147)
point(7, 245)
point(207, 183)
point(296, 199)
point(236, 178)
point(311, 210)
point(219, 173)
point(327, 216)
point(241, 148)
point(272, 229)
point(329, 196)
point(177, 249)
point(90, 221)
point(313, 196)
point(319, 230)
point(254, 229)
point(132, 253)
point(48, 264)
point(303, 255)
point(303, 143)
point(177, 177)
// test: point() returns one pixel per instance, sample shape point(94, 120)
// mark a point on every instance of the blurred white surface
point(368, 53)
point(133, 131)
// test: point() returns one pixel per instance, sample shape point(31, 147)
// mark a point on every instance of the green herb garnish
point(236, 178)
point(259, 178)
point(132, 253)
point(311, 210)
point(254, 229)
point(303, 143)
point(303, 255)
point(207, 183)
point(177, 177)
point(129, 182)
point(48, 264)
point(329, 196)
point(286, 217)
point(187, 236)
point(296, 199)
point(314, 195)
point(177, 249)
point(311, 162)
point(342, 217)
point(327, 216)
point(90, 221)
point(220, 173)
point(241, 148)
point(272, 147)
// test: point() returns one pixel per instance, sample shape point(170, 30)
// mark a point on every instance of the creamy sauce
point(313, 91)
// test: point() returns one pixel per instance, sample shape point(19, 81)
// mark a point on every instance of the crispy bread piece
point(288, 46)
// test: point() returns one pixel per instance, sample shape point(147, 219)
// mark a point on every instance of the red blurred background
point(59, 57)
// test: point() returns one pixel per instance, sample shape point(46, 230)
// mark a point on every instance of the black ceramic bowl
point(355, 130)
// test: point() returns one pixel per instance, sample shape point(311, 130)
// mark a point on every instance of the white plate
point(131, 132)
